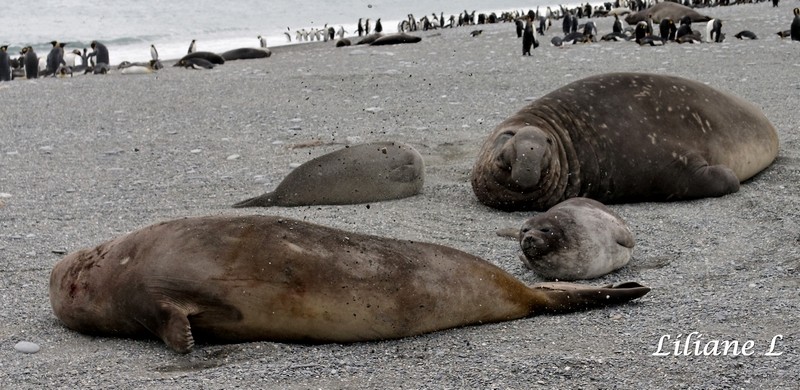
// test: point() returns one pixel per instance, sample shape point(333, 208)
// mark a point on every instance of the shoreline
point(87, 159)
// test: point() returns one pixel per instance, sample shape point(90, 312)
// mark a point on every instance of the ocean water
point(128, 27)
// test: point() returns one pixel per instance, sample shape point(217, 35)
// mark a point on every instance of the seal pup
point(579, 238)
point(623, 137)
point(231, 279)
point(362, 173)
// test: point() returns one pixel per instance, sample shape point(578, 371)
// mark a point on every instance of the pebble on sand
point(26, 347)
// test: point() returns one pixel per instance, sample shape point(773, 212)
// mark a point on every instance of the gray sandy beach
point(86, 159)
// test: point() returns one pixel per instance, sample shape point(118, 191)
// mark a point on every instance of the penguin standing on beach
point(100, 54)
point(714, 30)
point(520, 25)
point(192, 47)
point(55, 58)
point(5, 64)
point(378, 26)
point(341, 32)
point(360, 28)
point(796, 25)
point(31, 63)
point(667, 29)
point(366, 26)
point(528, 38)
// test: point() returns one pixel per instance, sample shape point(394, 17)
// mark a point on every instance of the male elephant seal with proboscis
point(623, 137)
point(362, 173)
point(237, 279)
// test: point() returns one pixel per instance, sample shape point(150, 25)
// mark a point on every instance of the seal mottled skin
point(579, 238)
point(623, 137)
point(236, 279)
point(666, 9)
point(356, 174)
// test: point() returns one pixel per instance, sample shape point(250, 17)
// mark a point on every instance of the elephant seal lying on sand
point(623, 137)
point(237, 279)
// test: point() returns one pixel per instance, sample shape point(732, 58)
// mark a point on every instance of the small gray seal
point(579, 238)
point(362, 173)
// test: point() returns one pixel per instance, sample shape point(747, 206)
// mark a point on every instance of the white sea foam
point(128, 28)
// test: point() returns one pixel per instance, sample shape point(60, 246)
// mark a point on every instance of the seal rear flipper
point(265, 200)
point(560, 297)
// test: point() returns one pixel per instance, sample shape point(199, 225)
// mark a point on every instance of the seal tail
point(560, 297)
point(265, 200)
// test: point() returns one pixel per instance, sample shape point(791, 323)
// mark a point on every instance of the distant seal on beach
point(342, 42)
point(246, 53)
point(395, 39)
point(369, 39)
point(362, 173)
point(579, 238)
point(195, 63)
point(666, 9)
point(213, 58)
point(251, 278)
point(623, 137)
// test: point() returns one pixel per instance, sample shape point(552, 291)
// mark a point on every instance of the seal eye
point(549, 141)
point(545, 230)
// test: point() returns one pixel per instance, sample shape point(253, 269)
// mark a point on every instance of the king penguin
point(5, 64)
point(796, 25)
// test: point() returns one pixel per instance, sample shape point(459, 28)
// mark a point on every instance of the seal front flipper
point(266, 200)
point(171, 325)
point(561, 297)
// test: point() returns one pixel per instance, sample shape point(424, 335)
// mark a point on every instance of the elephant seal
point(208, 56)
point(246, 53)
point(225, 279)
point(395, 39)
point(362, 173)
point(623, 137)
point(579, 238)
point(666, 9)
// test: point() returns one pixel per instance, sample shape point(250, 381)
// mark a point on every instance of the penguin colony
point(529, 26)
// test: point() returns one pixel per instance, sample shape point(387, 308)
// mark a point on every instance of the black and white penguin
point(55, 58)
point(795, 29)
point(378, 26)
point(195, 63)
point(192, 47)
point(341, 32)
point(714, 30)
point(153, 52)
point(640, 32)
point(590, 31)
point(520, 26)
point(667, 29)
point(100, 54)
point(31, 63)
point(366, 26)
point(262, 42)
point(617, 28)
point(5, 64)
point(528, 38)
point(746, 34)
point(360, 29)
point(566, 24)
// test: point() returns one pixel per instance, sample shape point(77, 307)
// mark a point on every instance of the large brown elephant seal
point(395, 39)
point(362, 173)
point(623, 137)
point(666, 9)
point(579, 238)
point(237, 279)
